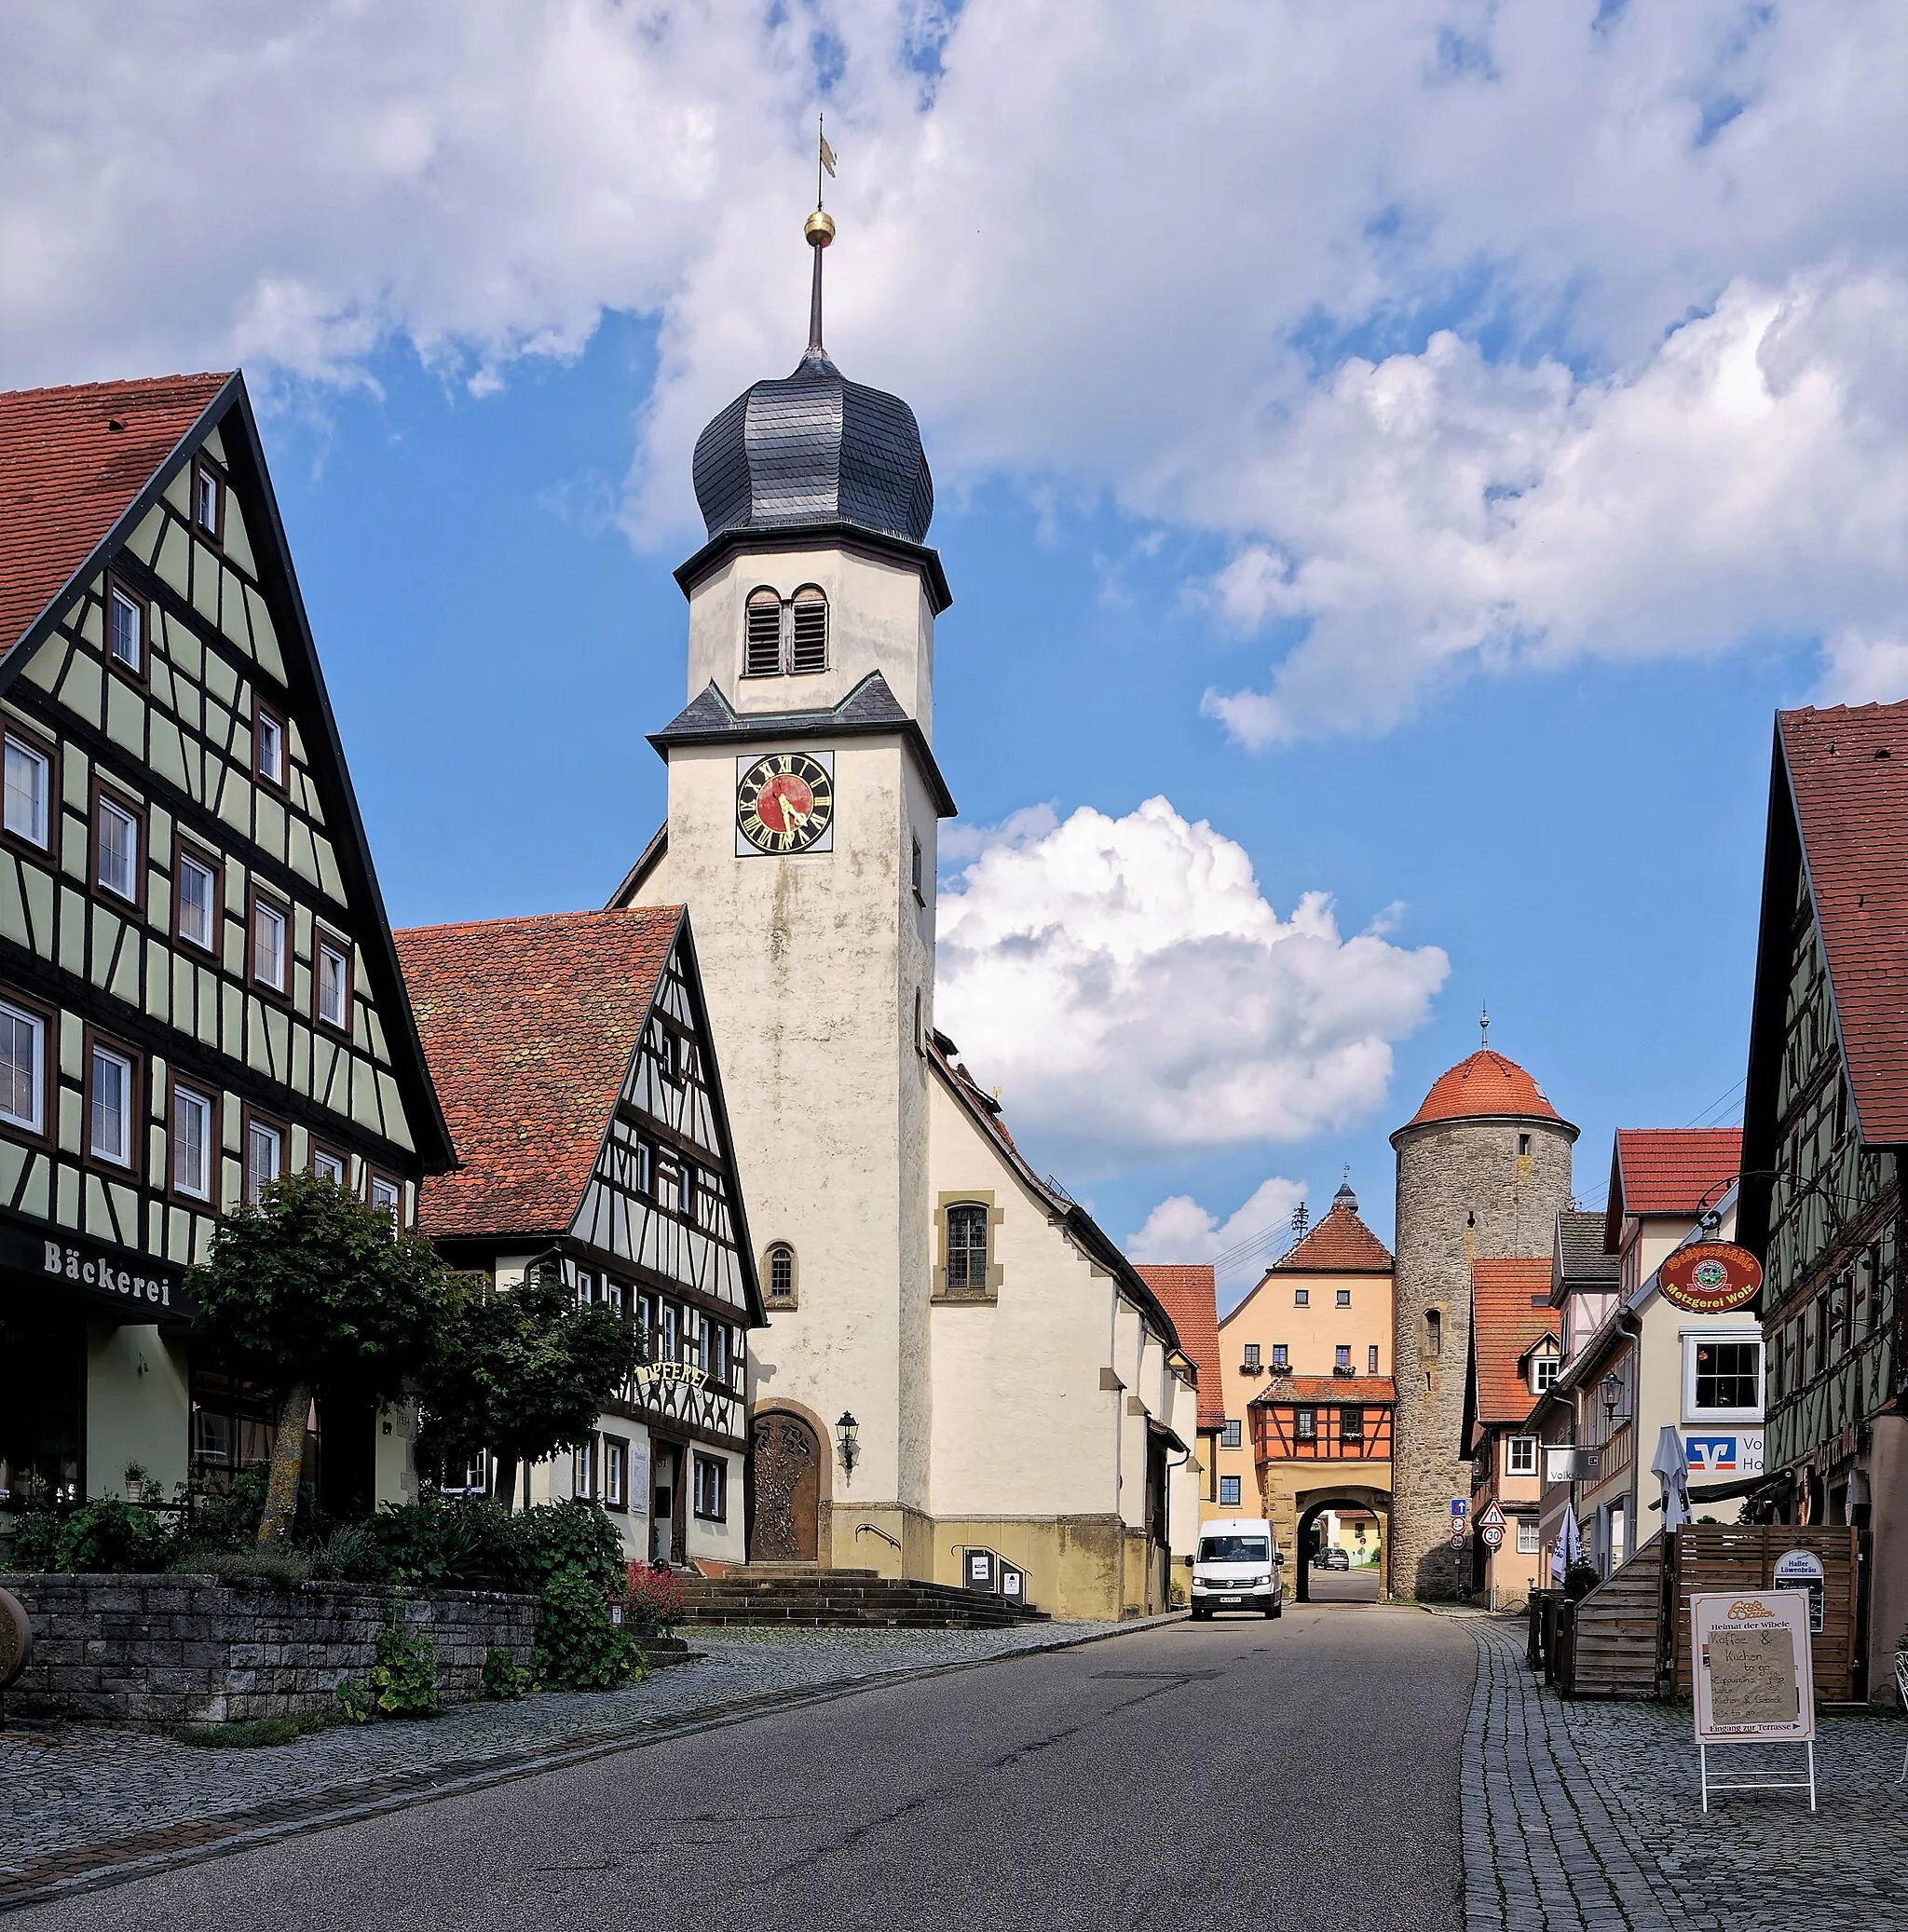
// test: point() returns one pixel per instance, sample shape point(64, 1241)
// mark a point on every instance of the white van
point(1237, 1568)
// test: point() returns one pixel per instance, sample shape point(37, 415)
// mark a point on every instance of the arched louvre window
point(967, 1247)
point(809, 638)
point(762, 646)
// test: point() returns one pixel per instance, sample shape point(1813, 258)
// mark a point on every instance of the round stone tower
point(1483, 1168)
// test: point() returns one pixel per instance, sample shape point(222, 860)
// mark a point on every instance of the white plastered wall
point(138, 1408)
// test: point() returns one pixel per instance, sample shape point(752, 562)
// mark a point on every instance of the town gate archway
point(1313, 1504)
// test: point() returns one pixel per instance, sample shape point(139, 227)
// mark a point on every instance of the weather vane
point(1484, 1025)
point(820, 231)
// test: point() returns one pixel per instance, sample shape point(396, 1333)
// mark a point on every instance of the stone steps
point(783, 1594)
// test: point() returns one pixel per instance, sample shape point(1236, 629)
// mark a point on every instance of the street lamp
point(845, 1439)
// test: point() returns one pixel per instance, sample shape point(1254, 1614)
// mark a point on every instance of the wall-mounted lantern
point(846, 1441)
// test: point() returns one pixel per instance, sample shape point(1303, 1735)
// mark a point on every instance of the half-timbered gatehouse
point(198, 986)
point(573, 1054)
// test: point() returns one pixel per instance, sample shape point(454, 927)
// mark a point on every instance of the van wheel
point(1277, 1610)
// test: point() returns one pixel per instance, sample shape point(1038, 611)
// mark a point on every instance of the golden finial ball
point(819, 229)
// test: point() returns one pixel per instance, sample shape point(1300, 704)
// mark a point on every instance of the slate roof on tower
point(1191, 1295)
point(1510, 1314)
point(529, 1025)
point(1485, 1086)
point(1341, 1244)
point(1669, 1171)
point(72, 463)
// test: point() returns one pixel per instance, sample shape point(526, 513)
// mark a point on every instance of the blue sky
point(1425, 460)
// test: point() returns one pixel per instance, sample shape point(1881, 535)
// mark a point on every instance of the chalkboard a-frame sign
point(1754, 1680)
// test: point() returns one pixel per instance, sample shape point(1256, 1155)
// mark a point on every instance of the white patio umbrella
point(1670, 1467)
point(1570, 1541)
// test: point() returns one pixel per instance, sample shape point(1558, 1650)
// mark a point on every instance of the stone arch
point(790, 1521)
point(1313, 1504)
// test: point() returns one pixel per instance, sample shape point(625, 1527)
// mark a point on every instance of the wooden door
point(787, 1475)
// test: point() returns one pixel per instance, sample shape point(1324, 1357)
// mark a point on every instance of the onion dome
point(1485, 1086)
point(814, 448)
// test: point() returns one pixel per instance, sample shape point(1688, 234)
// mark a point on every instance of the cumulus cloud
point(1859, 669)
point(1179, 1230)
point(1505, 335)
point(1130, 988)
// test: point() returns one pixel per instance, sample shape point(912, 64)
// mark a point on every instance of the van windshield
point(1233, 1549)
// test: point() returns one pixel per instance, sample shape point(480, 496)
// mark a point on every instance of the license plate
point(1231, 1599)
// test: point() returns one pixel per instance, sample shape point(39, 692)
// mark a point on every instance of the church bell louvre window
point(807, 647)
point(788, 639)
point(762, 646)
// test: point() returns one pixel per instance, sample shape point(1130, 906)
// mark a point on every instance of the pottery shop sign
point(1713, 1277)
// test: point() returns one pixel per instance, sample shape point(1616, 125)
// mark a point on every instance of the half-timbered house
point(1322, 1443)
point(573, 1054)
point(198, 986)
point(1825, 1123)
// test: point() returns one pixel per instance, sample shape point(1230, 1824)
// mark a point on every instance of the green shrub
point(574, 1535)
point(504, 1678)
point(577, 1647)
point(403, 1680)
point(1580, 1579)
point(113, 1537)
point(36, 1543)
point(273, 1566)
point(354, 1700)
point(347, 1555)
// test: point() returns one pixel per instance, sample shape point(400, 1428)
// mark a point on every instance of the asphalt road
point(1302, 1774)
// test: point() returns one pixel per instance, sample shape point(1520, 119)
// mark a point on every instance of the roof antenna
point(1484, 1017)
point(819, 230)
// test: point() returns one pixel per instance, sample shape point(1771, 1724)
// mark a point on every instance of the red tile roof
point(1668, 1170)
point(1485, 1085)
point(1510, 1312)
point(1189, 1294)
point(72, 461)
point(529, 1025)
point(1328, 1388)
point(1341, 1244)
point(1849, 771)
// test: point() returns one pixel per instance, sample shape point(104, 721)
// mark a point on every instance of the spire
point(1483, 1017)
point(819, 230)
point(1344, 1197)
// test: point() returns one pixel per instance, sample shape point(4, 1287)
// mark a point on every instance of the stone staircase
point(1619, 1629)
point(781, 1593)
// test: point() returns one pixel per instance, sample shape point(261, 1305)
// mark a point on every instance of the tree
point(522, 1372)
point(312, 1294)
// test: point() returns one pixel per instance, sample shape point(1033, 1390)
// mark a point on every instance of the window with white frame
point(1232, 1435)
point(712, 1488)
point(387, 1197)
point(110, 1088)
point(268, 945)
point(29, 792)
point(1520, 1455)
point(672, 1332)
point(1528, 1544)
point(616, 1473)
point(264, 1157)
point(1722, 1376)
point(333, 1167)
point(205, 499)
point(584, 1470)
point(197, 886)
point(126, 629)
point(334, 985)
point(191, 1143)
point(116, 839)
point(23, 1068)
point(1371, 1359)
point(1544, 1373)
point(269, 739)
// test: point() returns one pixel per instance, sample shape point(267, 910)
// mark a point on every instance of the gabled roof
point(1847, 772)
point(1579, 1258)
point(1485, 1086)
point(1510, 1314)
point(80, 468)
point(530, 1026)
point(870, 710)
point(1327, 1388)
point(984, 1110)
point(72, 462)
point(1189, 1292)
point(1341, 1244)
point(1668, 1171)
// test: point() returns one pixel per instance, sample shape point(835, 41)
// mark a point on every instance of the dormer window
point(1544, 1373)
point(783, 640)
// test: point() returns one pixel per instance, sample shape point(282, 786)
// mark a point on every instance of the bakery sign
point(138, 1288)
point(1712, 1277)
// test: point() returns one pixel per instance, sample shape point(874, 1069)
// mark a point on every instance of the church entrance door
point(787, 1467)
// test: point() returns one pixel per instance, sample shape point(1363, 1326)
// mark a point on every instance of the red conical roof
point(1486, 1085)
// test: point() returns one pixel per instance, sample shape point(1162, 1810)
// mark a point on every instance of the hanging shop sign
point(652, 1373)
point(1713, 1277)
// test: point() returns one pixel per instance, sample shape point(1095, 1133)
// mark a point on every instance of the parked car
point(1332, 1559)
point(1236, 1567)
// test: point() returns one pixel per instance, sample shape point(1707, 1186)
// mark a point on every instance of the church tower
point(803, 804)
point(1483, 1169)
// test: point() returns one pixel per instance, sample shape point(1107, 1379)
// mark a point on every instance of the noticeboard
point(1754, 1678)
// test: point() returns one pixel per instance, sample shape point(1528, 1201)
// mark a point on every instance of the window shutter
point(810, 651)
point(762, 650)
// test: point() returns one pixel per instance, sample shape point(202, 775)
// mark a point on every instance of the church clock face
point(784, 803)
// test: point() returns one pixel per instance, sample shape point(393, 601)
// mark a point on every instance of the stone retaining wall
point(172, 1650)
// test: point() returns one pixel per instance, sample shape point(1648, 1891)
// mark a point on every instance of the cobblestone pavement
point(1589, 1813)
point(77, 1799)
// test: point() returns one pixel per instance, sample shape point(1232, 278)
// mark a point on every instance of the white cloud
point(1504, 334)
point(1179, 1230)
point(1129, 987)
point(1858, 669)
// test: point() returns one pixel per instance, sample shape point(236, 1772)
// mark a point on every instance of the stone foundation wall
point(174, 1650)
